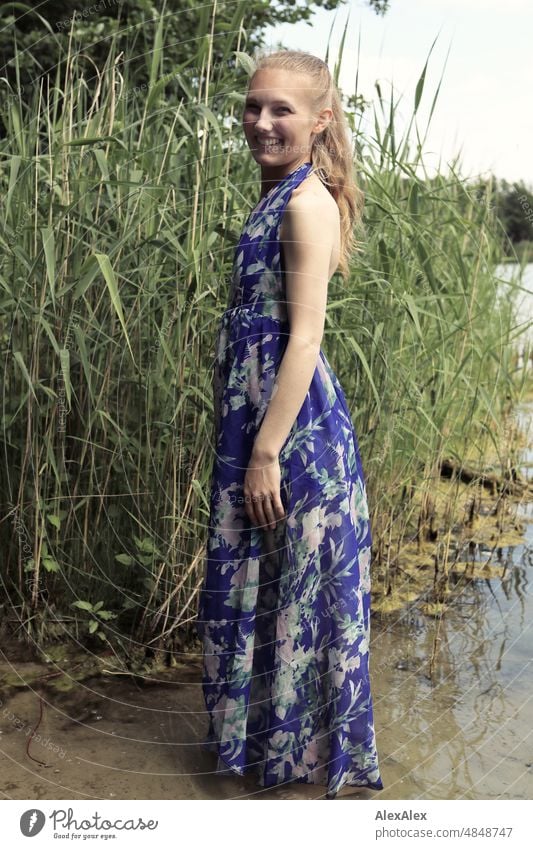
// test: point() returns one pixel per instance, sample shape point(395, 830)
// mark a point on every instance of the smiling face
point(277, 120)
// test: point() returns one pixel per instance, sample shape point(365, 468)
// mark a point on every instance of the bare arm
point(307, 249)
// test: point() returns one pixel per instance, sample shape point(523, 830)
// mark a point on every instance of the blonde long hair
point(331, 150)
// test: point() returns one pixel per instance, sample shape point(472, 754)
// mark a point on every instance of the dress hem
point(251, 769)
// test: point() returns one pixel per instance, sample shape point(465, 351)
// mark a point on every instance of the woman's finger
point(260, 511)
point(278, 508)
point(249, 508)
point(252, 509)
point(268, 507)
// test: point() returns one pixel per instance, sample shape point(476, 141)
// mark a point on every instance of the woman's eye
point(252, 108)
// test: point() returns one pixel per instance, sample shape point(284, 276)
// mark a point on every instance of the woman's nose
point(263, 124)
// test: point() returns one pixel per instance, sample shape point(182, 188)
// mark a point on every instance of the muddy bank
point(452, 702)
point(106, 737)
point(451, 688)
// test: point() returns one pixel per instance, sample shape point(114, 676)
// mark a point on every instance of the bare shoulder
point(313, 214)
point(312, 194)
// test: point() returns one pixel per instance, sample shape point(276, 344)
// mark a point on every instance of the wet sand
point(467, 735)
point(452, 708)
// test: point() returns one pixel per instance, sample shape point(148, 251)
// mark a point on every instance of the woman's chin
point(268, 154)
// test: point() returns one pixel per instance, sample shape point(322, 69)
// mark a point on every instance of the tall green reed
point(122, 208)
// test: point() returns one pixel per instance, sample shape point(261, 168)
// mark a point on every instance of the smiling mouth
point(269, 143)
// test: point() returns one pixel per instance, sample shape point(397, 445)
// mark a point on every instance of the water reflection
point(453, 695)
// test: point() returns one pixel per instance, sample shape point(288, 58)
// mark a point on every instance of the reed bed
point(121, 207)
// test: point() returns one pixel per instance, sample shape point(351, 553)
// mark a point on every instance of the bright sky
point(484, 109)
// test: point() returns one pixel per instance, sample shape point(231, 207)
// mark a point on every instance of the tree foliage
point(36, 40)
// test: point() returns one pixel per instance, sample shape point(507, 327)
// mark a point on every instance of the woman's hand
point(262, 497)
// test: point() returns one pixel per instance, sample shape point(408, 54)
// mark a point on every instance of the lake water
point(524, 298)
point(452, 705)
point(464, 732)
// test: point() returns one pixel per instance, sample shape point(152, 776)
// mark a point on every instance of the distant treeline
point(513, 205)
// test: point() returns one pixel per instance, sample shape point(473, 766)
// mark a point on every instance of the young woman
point(284, 611)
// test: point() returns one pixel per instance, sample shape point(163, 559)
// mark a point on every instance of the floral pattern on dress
point(284, 614)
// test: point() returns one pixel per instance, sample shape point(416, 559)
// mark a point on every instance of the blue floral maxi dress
point(284, 614)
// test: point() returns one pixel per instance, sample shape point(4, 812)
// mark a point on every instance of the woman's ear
point(325, 118)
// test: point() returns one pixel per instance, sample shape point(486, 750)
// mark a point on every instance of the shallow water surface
point(452, 709)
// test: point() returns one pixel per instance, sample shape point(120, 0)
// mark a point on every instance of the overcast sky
point(484, 110)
